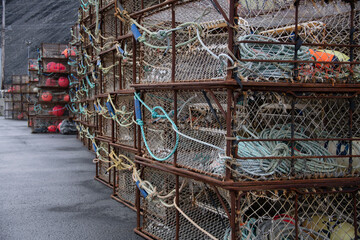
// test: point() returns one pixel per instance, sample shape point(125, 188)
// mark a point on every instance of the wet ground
point(48, 191)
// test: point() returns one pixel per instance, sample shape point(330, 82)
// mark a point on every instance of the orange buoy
point(69, 52)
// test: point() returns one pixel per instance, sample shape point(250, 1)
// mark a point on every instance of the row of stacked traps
point(16, 92)
point(105, 84)
point(53, 76)
point(224, 119)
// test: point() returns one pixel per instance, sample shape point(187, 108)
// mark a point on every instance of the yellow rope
point(119, 162)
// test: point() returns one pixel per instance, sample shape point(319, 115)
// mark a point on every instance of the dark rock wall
point(36, 21)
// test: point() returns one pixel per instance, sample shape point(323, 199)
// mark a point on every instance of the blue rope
point(154, 114)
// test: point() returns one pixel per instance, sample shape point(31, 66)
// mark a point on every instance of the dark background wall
point(37, 21)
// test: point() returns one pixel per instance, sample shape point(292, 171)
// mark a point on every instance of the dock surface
point(48, 191)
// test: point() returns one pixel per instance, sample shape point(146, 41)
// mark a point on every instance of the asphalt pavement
point(48, 191)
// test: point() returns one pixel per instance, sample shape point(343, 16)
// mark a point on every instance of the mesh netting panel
point(202, 206)
point(32, 87)
point(51, 109)
point(125, 184)
point(159, 220)
point(7, 95)
point(109, 75)
point(31, 98)
point(103, 148)
point(90, 118)
point(105, 125)
point(16, 79)
point(127, 65)
point(197, 201)
point(50, 50)
point(125, 133)
point(34, 76)
point(193, 62)
point(105, 3)
point(16, 97)
point(24, 88)
point(200, 118)
point(318, 23)
point(271, 215)
point(16, 106)
point(269, 117)
point(134, 6)
point(109, 27)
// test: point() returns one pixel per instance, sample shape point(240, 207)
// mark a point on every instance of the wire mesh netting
point(273, 135)
point(53, 50)
point(318, 125)
point(102, 154)
point(193, 20)
point(125, 125)
point(33, 76)
point(125, 185)
point(201, 124)
point(19, 79)
point(306, 214)
point(159, 220)
point(197, 201)
point(322, 34)
point(109, 72)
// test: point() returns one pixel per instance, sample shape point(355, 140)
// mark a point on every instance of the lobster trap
point(44, 124)
point(193, 20)
point(54, 50)
point(307, 42)
point(310, 128)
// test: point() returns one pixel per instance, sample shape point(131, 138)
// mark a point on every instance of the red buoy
point(50, 67)
point(67, 98)
point(63, 82)
point(58, 126)
point(58, 111)
point(52, 128)
point(46, 96)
